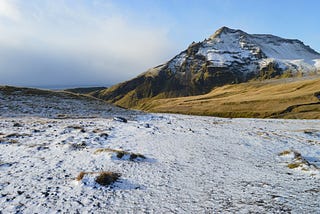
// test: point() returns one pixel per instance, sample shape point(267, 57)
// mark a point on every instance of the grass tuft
point(102, 178)
point(294, 165)
point(107, 178)
point(298, 161)
point(8, 141)
point(286, 152)
point(75, 127)
point(120, 153)
point(81, 175)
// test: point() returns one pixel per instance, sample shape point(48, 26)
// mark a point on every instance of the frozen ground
point(194, 164)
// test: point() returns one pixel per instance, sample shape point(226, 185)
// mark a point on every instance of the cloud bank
point(47, 43)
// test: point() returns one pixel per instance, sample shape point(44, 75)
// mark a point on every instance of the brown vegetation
point(282, 98)
point(107, 178)
point(286, 152)
point(102, 178)
point(298, 161)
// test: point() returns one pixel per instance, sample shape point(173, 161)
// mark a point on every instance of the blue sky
point(102, 42)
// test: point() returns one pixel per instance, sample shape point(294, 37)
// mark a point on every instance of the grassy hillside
point(280, 98)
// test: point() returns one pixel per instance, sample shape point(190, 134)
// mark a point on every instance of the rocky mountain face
point(227, 57)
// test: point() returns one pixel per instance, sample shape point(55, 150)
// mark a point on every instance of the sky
point(67, 43)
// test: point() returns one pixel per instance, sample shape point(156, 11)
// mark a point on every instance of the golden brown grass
point(74, 127)
point(8, 141)
point(298, 161)
point(107, 178)
point(81, 175)
point(286, 152)
point(294, 165)
point(276, 98)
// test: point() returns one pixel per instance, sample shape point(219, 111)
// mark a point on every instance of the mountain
point(227, 57)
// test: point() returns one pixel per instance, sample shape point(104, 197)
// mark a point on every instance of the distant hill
point(85, 90)
point(227, 57)
point(18, 101)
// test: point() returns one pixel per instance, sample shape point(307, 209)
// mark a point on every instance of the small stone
point(120, 119)
point(17, 125)
point(20, 192)
point(46, 194)
point(147, 125)
point(104, 135)
point(40, 148)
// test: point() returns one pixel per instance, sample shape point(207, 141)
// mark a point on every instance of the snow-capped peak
point(228, 47)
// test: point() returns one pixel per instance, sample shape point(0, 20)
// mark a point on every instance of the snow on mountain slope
point(227, 46)
point(279, 48)
point(317, 62)
point(193, 164)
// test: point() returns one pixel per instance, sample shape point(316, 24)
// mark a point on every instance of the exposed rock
point(120, 119)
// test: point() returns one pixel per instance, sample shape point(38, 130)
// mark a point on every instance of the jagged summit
point(225, 30)
point(269, 45)
point(229, 56)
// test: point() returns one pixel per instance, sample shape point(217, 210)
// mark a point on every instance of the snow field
point(194, 164)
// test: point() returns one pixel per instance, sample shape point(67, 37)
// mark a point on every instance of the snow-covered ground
point(193, 164)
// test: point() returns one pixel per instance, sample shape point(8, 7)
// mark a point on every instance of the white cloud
point(9, 10)
point(99, 38)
